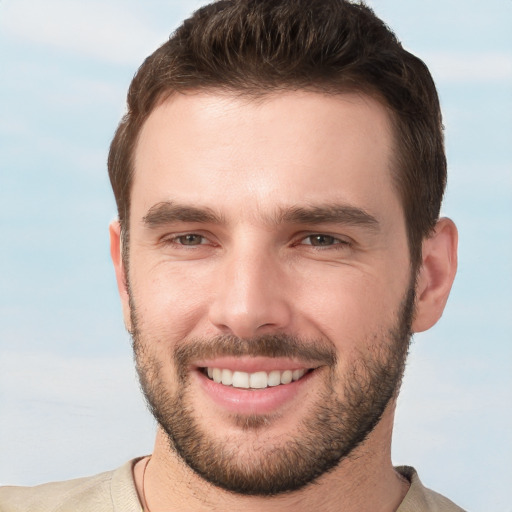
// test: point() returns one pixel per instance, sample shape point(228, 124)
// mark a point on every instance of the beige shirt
point(114, 491)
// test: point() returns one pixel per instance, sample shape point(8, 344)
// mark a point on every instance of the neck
point(364, 481)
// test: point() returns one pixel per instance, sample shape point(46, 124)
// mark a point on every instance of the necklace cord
point(145, 506)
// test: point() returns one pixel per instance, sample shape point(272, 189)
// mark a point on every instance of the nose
point(251, 296)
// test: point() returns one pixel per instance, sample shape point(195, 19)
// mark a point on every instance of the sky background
point(69, 399)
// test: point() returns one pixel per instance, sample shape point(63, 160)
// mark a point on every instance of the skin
point(257, 273)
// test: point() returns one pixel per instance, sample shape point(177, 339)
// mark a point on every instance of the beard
point(253, 463)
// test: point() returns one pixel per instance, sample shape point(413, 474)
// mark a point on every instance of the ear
point(116, 253)
point(436, 275)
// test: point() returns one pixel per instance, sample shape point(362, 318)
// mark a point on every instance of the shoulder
point(420, 498)
point(59, 496)
point(106, 492)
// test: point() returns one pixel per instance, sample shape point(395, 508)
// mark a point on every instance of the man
point(278, 177)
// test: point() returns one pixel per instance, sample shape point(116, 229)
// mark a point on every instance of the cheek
point(170, 300)
point(350, 306)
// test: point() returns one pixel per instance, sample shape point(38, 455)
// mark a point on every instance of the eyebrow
point(328, 214)
point(168, 212)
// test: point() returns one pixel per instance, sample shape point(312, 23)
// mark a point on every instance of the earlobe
point(116, 253)
point(436, 275)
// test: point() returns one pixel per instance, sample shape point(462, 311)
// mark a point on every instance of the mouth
point(255, 385)
point(254, 380)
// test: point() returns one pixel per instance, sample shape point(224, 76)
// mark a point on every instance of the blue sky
point(69, 400)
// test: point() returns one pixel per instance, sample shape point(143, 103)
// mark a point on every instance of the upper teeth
point(256, 380)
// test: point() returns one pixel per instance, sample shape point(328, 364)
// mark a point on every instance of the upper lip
point(254, 364)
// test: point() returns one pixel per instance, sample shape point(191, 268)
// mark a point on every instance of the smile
point(255, 380)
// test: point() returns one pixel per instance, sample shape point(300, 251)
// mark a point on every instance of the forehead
point(229, 152)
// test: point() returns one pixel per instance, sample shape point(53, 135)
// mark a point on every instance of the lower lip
point(252, 401)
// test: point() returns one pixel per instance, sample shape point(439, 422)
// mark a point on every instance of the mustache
point(271, 345)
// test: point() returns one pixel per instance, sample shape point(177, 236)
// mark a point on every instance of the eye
point(321, 240)
point(190, 239)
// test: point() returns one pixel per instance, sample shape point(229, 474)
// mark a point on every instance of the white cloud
point(64, 417)
point(456, 67)
point(108, 31)
point(451, 416)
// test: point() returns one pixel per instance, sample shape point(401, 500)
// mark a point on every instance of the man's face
point(268, 251)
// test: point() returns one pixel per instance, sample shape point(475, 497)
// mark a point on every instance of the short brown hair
point(256, 47)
